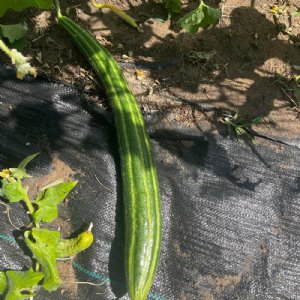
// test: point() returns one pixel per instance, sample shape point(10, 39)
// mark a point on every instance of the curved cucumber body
point(139, 179)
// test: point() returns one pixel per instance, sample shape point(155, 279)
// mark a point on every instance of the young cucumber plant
point(45, 245)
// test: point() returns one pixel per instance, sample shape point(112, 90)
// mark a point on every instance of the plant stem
point(28, 204)
point(57, 7)
point(37, 224)
point(5, 49)
point(117, 11)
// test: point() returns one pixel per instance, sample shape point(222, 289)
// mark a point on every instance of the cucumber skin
point(140, 189)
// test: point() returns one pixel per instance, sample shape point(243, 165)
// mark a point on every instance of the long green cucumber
point(140, 189)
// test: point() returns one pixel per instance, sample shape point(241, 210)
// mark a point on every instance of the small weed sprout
point(238, 126)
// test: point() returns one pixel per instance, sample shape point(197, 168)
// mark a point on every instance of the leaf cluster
point(45, 245)
point(19, 5)
point(201, 17)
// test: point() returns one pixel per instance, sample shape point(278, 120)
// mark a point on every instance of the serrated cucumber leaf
point(21, 284)
point(46, 213)
point(201, 17)
point(42, 243)
point(13, 32)
point(12, 188)
point(20, 5)
point(13, 191)
point(48, 200)
point(20, 171)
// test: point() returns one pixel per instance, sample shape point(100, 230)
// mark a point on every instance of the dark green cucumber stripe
point(139, 174)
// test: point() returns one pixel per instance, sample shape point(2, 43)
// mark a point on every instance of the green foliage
point(42, 244)
point(20, 171)
point(48, 200)
point(20, 5)
point(13, 32)
point(12, 190)
point(296, 13)
point(201, 17)
point(20, 284)
point(239, 126)
point(172, 6)
point(46, 245)
point(3, 283)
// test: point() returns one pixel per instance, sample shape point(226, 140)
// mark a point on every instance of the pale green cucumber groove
point(132, 163)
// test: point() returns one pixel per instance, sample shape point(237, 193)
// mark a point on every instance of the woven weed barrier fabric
point(231, 212)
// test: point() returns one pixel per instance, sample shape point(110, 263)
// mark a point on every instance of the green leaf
point(21, 284)
point(45, 213)
point(172, 6)
point(13, 32)
point(296, 13)
point(3, 283)
point(42, 244)
point(20, 172)
point(20, 5)
point(203, 16)
point(48, 200)
point(13, 191)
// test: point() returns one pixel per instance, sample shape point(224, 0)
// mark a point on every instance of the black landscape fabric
point(231, 212)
